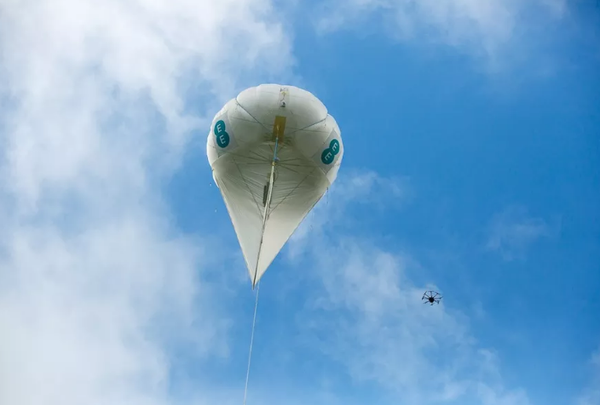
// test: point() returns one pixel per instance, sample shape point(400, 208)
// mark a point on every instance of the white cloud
point(494, 30)
point(99, 100)
point(80, 314)
point(369, 317)
point(512, 231)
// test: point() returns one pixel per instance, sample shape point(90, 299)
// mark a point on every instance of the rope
point(251, 343)
point(264, 224)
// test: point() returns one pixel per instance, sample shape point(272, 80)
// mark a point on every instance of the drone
point(431, 297)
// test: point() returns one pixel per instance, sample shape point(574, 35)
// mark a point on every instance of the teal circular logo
point(222, 137)
point(328, 155)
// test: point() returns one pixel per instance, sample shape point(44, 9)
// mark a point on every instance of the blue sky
point(471, 167)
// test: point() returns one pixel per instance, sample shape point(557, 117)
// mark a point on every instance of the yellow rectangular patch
point(279, 127)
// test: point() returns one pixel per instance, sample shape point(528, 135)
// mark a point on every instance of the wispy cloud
point(369, 317)
point(493, 30)
point(357, 187)
point(96, 285)
point(513, 230)
point(591, 394)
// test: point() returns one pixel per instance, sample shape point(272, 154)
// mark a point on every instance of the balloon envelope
point(274, 151)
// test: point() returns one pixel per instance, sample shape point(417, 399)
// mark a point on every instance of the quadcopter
point(431, 297)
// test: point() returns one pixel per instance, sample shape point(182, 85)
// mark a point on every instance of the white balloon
point(274, 151)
